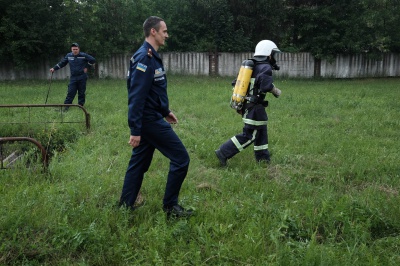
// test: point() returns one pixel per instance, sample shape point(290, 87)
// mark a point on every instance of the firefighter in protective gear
point(253, 111)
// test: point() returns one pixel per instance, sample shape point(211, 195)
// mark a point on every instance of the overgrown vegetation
point(329, 197)
point(49, 126)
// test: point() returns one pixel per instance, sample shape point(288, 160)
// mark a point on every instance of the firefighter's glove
point(276, 92)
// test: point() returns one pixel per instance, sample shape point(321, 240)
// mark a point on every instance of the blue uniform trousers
point(76, 85)
point(156, 135)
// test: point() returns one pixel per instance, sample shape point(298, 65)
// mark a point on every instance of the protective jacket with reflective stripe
point(254, 114)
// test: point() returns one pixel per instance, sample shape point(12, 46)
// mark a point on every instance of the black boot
point(177, 211)
point(222, 159)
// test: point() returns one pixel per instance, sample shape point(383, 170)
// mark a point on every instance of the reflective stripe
point(251, 88)
point(260, 148)
point(254, 122)
point(159, 74)
point(244, 145)
point(237, 144)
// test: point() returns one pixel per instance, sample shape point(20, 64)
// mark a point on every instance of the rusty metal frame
point(32, 140)
point(87, 115)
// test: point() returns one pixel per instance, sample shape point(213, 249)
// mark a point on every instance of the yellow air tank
point(242, 84)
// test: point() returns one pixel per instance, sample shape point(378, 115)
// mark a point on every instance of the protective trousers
point(236, 144)
point(156, 135)
point(254, 131)
point(77, 85)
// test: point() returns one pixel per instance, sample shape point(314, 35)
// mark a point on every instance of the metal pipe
point(87, 115)
point(32, 140)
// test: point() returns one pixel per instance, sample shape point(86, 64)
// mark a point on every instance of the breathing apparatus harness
point(244, 91)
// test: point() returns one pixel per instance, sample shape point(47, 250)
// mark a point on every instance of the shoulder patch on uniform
point(150, 53)
point(141, 67)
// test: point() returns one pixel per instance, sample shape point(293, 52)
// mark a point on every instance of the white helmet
point(266, 48)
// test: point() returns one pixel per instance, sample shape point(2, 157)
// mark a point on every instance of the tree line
point(44, 29)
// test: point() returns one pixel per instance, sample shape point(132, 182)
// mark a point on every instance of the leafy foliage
point(33, 30)
point(45, 29)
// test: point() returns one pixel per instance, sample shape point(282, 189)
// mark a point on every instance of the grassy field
point(329, 197)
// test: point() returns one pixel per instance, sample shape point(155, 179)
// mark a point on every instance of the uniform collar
point(153, 51)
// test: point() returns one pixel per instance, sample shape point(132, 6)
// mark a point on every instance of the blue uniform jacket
point(77, 63)
point(147, 89)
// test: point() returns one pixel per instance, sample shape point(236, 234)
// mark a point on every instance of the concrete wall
point(40, 71)
point(186, 63)
point(293, 65)
point(358, 66)
point(297, 65)
point(114, 67)
point(229, 63)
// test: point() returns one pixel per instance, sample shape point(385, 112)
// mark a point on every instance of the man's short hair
point(75, 45)
point(152, 22)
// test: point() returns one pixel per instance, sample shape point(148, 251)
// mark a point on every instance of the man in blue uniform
point(253, 113)
point(149, 120)
point(78, 63)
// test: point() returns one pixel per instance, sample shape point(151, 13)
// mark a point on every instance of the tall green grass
point(329, 197)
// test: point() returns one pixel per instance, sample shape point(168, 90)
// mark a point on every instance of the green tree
point(44, 29)
point(330, 27)
point(325, 28)
point(259, 19)
point(105, 27)
point(202, 25)
point(382, 18)
point(31, 31)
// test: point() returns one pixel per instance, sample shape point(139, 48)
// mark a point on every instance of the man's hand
point(134, 141)
point(171, 118)
point(52, 70)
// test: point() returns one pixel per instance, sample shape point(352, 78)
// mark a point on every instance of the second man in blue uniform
point(149, 120)
point(78, 63)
